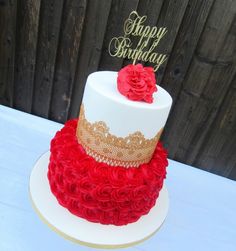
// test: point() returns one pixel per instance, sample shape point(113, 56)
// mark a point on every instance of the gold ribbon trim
point(97, 141)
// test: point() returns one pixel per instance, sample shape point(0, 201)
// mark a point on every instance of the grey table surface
point(202, 205)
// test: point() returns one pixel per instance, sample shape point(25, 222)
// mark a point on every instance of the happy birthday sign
point(149, 38)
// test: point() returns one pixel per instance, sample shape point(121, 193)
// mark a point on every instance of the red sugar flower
point(137, 83)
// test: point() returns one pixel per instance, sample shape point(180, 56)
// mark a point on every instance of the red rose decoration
point(137, 83)
point(98, 192)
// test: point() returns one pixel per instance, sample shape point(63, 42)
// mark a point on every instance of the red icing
point(99, 192)
point(137, 83)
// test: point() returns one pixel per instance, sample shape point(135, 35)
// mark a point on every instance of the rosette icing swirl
point(98, 192)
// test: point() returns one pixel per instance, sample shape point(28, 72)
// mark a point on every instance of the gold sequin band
point(97, 141)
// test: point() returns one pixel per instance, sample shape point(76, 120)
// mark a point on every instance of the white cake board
point(82, 231)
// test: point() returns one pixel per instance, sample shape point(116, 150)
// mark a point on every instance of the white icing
point(103, 102)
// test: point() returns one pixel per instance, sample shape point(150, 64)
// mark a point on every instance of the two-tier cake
point(109, 166)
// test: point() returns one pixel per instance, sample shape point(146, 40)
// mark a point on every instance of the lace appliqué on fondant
point(99, 143)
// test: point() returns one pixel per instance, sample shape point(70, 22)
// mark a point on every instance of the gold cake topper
point(149, 38)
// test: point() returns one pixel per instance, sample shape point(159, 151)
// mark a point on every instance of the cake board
point(82, 231)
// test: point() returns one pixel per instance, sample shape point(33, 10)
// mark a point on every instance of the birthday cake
point(108, 165)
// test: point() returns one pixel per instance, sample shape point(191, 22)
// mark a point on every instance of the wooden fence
point(48, 48)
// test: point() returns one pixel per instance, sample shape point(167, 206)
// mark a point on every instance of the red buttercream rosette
point(98, 192)
point(137, 83)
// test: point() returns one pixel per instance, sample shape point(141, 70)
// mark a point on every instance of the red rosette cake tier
point(97, 191)
point(108, 167)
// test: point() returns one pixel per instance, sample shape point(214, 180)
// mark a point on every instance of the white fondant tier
point(103, 102)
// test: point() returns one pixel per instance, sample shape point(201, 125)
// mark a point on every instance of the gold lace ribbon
point(130, 151)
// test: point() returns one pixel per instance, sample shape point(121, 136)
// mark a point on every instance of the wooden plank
point(120, 10)
point(71, 30)
point(90, 50)
point(150, 8)
point(49, 28)
point(178, 122)
point(233, 173)
point(194, 122)
point(27, 33)
point(218, 24)
point(218, 153)
point(204, 88)
point(7, 50)
point(171, 16)
point(185, 44)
